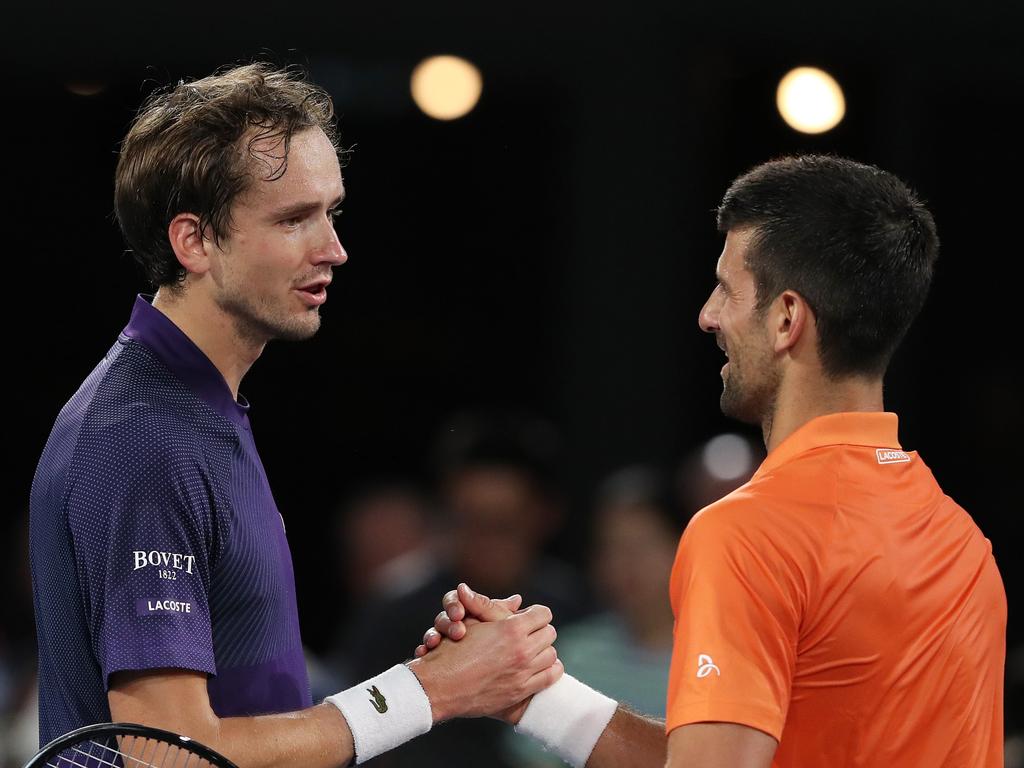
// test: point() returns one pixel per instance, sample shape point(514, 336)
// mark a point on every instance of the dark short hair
point(853, 240)
point(190, 149)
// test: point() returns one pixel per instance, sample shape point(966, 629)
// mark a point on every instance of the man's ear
point(790, 319)
point(189, 245)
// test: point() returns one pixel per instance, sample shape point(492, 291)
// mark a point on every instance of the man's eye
point(292, 222)
point(334, 213)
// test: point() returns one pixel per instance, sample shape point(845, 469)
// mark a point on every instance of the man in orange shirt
point(838, 609)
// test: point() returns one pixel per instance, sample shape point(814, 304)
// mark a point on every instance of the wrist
point(568, 718)
point(514, 714)
point(433, 689)
point(384, 711)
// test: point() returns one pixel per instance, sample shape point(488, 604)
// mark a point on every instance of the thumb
point(482, 607)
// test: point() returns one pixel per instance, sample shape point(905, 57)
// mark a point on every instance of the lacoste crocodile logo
point(378, 700)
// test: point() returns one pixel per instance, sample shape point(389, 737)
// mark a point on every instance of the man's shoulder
point(135, 372)
point(133, 409)
point(776, 508)
point(771, 493)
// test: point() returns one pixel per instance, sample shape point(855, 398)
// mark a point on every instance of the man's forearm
point(177, 701)
point(317, 737)
point(630, 739)
point(496, 666)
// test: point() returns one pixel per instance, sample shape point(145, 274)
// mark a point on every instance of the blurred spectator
point(385, 533)
point(1014, 707)
point(19, 719)
point(716, 469)
point(502, 505)
point(626, 650)
point(387, 550)
point(499, 506)
point(636, 532)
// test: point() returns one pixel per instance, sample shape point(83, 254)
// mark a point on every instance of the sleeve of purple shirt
point(143, 523)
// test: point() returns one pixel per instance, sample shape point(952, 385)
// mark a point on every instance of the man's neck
point(802, 398)
point(214, 332)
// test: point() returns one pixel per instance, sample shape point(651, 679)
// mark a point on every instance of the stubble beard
point(749, 391)
point(258, 321)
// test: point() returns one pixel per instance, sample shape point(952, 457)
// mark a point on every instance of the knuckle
point(551, 674)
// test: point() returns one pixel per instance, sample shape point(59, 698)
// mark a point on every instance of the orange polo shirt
point(842, 603)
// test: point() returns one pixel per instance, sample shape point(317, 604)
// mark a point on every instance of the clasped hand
point(500, 656)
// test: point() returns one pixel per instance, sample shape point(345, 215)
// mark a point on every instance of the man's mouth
point(314, 293)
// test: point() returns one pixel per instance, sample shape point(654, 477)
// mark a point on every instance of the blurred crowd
point(492, 515)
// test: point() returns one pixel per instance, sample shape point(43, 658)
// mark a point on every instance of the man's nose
point(707, 319)
point(331, 251)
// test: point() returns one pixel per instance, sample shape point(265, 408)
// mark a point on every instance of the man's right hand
point(464, 608)
point(496, 666)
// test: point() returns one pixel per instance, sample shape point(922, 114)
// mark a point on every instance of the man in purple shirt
point(163, 582)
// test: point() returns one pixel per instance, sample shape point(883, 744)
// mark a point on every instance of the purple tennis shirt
point(155, 539)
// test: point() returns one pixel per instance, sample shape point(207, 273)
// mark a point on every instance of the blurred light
point(85, 87)
point(727, 457)
point(810, 100)
point(446, 87)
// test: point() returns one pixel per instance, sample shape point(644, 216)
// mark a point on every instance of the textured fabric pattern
point(155, 539)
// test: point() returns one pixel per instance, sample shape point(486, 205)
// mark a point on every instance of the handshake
point(482, 657)
point(511, 649)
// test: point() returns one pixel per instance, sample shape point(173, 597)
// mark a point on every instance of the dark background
point(549, 251)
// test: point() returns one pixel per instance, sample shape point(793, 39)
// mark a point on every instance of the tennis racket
point(126, 745)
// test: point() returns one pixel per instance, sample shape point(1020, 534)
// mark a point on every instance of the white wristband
point(568, 718)
point(384, 711)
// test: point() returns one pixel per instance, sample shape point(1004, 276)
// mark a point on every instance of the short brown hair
point(190, 149)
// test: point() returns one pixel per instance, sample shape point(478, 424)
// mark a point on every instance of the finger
point(431, 639)
point(421, 651)
point(455, 630)
point(442, 623)
point(512, 603)
point(542, 660)
point(541, 639)
point(481, 606)
point(545, 678)
point(532, 618)
point(453, 606)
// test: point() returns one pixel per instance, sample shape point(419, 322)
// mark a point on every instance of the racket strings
point(127, 752)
